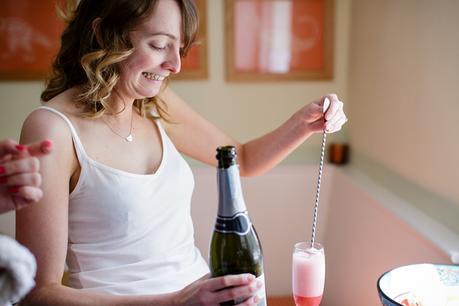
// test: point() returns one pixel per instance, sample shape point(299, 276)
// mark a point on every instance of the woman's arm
point(43, 228)
point(198, 138)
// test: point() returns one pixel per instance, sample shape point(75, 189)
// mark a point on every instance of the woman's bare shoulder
point(41, 123)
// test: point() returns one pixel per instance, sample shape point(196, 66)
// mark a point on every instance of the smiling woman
point(110, 44)
point(117, 188)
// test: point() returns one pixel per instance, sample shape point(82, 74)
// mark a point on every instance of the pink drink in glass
point(308, 274)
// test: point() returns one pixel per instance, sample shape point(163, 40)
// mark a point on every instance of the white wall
point(403, 78)
point(364, 239)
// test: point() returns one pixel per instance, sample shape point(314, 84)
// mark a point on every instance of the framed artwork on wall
point(30, 33)
point(29, 38)
point(276, 40)
point(194, 65)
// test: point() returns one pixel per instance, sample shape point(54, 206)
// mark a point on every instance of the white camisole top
point(131, 234)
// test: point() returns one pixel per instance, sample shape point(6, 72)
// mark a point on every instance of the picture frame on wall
point(279, 40)
point(194, 65)
point(29, 38)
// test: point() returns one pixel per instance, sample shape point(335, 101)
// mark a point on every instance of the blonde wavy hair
point(93, 64)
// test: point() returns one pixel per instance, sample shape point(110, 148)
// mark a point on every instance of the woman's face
point(156, 55)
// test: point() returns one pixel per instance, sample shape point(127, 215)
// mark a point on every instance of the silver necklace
point(128, 138)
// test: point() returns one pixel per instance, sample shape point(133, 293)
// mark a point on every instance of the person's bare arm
point(198, 138)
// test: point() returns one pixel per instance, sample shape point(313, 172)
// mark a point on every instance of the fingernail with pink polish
point(14, 189)
point(20, 147)
point(47, 145)
point(2, 170)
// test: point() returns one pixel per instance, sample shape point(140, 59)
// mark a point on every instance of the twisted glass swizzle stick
point(316, 206)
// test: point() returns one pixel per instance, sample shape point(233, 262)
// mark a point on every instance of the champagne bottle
point(235, 247)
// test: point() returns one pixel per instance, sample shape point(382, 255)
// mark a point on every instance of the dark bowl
point(420, 284)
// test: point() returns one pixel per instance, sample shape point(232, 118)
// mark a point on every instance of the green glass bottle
point(235, 247)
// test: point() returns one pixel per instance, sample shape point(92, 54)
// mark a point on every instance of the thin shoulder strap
point(76, 139)
point(156, 120)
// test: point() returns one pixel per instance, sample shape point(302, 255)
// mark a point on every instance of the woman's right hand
point(213, 291)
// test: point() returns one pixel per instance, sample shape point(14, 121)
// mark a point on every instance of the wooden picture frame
point(279, 40)
point(194, 65)
point(29, 38)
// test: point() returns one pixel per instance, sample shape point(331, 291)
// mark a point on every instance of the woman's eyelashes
point(165, 46)
point(158, 47)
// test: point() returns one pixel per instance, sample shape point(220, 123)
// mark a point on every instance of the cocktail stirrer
point(322, 153)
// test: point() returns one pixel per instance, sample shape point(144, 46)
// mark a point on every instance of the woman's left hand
point(319, 116)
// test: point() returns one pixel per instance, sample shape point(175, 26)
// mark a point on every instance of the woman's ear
point(96, 31)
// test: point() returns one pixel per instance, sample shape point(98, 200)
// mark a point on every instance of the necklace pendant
point(129, 138)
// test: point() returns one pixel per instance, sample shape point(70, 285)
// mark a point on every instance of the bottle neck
point(230, 200)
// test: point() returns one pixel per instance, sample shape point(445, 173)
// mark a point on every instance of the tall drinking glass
point(308, 274)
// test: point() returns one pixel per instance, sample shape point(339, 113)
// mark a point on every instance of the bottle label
point(238, 224)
